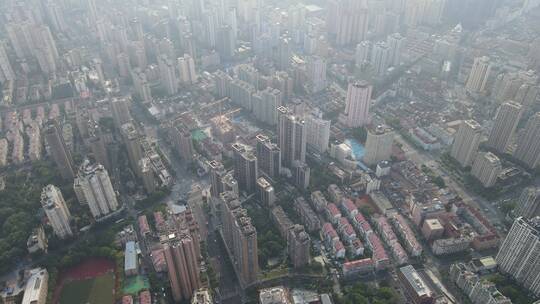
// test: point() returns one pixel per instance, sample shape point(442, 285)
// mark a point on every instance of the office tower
point(265, 192)
point(318, 131)
point(142, 87)
point(316, 74)
point(245, 167)
point(240, 238)
point(348, 21)
point(505, 124)
point(357, 104)
point(186, 67)
point(380, 58)
point(132, 140)
point(298, 246)
point(182, 265)
point(268, 156)
point(528, 144)
point(6, 70)
point(362, 53)
point(59, 151)
point(301, 174)
point(147, 175)
point(466, 142)
point(478, 77)
point(378, 145)
point(167, 73)
point(486, 168)
point(265, 105)
point(395, 44)
point(519, 254)
point(182, 142)
point(291, 137)
point(56, 210)
point(120, 110)
point(528, 205)
point(93, 187)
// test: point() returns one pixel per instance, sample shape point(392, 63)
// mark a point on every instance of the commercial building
point(298, 246)
point(415, 286)
point(528, 144)
point(466, 142)
point(486, 168)
point(357, 104)
point(36, 288)
point(59, 151)
point(57, 212)
point(182, 265)
point(378, 145)
point(519, 254)
point(93, 187)
point(245, 167)
point(291, 137)
point(528, 205)
point(268, 156)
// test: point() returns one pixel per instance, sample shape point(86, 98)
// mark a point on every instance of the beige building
point(466, 142)
point(57, 212)
point(486, 168)
point(36, 288)
point(528, 144)
point(505, 124)
point(478, 77)
point(378, 145)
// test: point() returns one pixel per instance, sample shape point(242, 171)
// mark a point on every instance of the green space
point(508, 287)
point(361, 293)
point(133, 285)
point(98, 290)
point(198, 135)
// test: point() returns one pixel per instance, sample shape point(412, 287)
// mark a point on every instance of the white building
point(378, 145)
point(57, 212)
point(318, 131)
point(36, 288)
point(357, 104)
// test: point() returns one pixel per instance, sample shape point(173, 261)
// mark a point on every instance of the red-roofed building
point(144, 228)
point(356, 267)
point(158, 260)
point(339, 249)
point(357, 248)
point(380, 257)
point(159, 221)
point(127, 299)
point(349, 208)
point(329, 234)
point(332, 212)
point(404, 230)
point(145, 298)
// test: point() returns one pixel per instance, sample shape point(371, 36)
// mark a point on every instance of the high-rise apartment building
point(381, 58)
point(182, 141)
point(519, 254)
point(316, 74)
point(362, 53)
point(268, 156)
point(528, 143)
point(186, 68)
point(265, 192)
point(93, 187)
point(217, 173)
point(528, 205)
point(6, 70)
point(357, 104)
point(479, 75)
point(245, 167)
point(466, 142)
point(182, 265)
point(120, 110)
point(240, 238)
point(132, 140)
point(292, 137)
point(142, 87)
point(265, 104)
point(348, 21)
point(167, 72)
point(57, 212)
point(298, 245)
point(505, 124)
point(318, 131)
point(395, 43)
point(59, 151)
point(378, 145)
point(486, 167)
